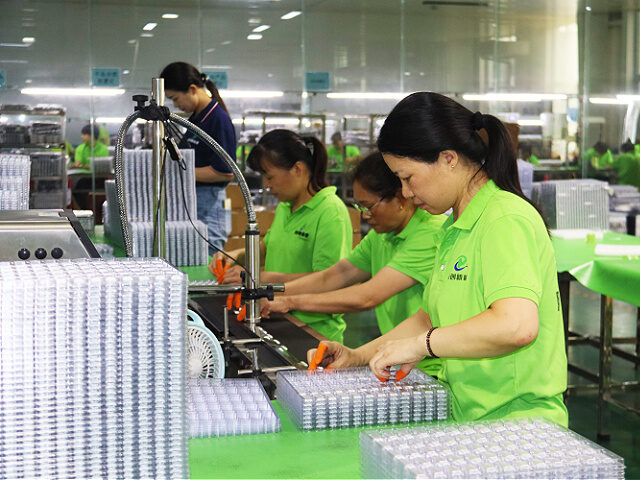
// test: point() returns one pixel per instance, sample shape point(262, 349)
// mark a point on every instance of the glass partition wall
point(539, 63)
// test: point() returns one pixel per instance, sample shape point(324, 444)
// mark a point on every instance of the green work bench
point(612, 277)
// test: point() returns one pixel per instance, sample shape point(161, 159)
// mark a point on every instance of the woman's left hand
point(407, 352)
point(277, 305)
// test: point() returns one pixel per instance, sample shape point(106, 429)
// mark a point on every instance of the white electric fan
point(204, 354)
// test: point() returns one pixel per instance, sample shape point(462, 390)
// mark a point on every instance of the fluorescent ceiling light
point(23, 62)
point(125, 72)
point(250, 93)
point(218, 67)
point(290, 15)
point(116, 120)
point(146, 35)
point(628, 98)
point(513, 97)
point(132, 41)
point(261, 28)
point(608, 101)
point(74, 92)
point(28, 39)
point(150, 26)
point(15, 44)
point(254, 121)
point(254, 36)
point(209, 50)
point(369, 95)
point(530, 122)
point(226, 42)
point(170, 15)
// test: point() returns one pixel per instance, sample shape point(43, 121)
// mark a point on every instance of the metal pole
point(252, 276)
point(159, 201)
point(604, 377)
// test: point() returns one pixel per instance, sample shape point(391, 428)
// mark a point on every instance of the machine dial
point(23, 254)
point(40, 253)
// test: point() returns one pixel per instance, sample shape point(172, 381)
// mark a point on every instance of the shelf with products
point(362, 130)
point(39, 133)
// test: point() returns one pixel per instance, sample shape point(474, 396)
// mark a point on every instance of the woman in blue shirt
point(192, 92)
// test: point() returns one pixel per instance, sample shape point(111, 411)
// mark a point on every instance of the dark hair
point(600, 147)
point(627, 146)
point(180, 76)
point(424, 124)
point(526, 149)
point(375, 176)
point(336, 136)
point(91, 130)
point(283, 148)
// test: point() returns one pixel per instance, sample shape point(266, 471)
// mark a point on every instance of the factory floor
point(584, 319)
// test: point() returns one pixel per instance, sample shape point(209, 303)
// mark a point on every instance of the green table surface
point(616, 277)
point(290, 453)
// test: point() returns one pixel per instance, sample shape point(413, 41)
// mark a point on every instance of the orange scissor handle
point(317, 358)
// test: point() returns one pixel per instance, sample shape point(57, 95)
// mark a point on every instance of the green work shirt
point(84, 151)
point(312, 238)
point(412, 252)
point(599, 161)
point(499, 248)
point(335, 157)
point(628, 167)
point(533, 160)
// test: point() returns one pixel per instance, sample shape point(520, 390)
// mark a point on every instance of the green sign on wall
point(105, 77)
point(219, 78)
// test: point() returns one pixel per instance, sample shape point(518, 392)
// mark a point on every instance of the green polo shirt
point(84, 151)
point(335, 157)
point(412, 252)
point(533, 160)
point(628, 167)
point(314, 237)
point(599, 161)
point(499, 248)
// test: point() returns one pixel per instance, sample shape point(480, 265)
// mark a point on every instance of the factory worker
point(192, 92)
point(311, 229)
point(90, 147)
point(388, 270)
point(599, 156)
point(492, 311)
point(627, 164)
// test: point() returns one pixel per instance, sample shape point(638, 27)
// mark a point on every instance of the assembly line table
point(611, 277)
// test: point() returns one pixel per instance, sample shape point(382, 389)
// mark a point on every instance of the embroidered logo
point(301, 233)
point(461, 263)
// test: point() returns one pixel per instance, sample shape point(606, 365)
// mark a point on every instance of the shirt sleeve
point(510, 260)
point(360, 257)
point(222, 131)
point(415, 258)
point(331, 243)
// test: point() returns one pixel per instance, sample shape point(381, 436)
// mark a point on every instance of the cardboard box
point(235, 242)
point(264, 216)
point(355, 218)
point(357, 237)
point(234, 194)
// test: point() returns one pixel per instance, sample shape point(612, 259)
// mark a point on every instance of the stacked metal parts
point(14, 182)
point(111, 214)
point(184, 246)
point(47, 164)
point(92, 369)
point(46, 132)
point(353, 397)
point(219, 407)
point(523, 448)
point(525, 173)
point(574, 204)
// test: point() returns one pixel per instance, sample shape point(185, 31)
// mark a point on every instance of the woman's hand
point(406, 351)
point(337, 356)
point(232, 276)
point(277, 305)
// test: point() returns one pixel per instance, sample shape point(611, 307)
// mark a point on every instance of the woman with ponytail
point(194, 93)
point(492, 310)
point(311, 229)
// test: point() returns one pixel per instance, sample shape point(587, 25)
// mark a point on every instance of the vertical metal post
point(252, 276)
point(604, 377)
point(159, 200)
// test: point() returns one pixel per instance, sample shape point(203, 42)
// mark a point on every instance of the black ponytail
point(179, 76)
point(283, 148)
point(376, 177)
point(424, 124)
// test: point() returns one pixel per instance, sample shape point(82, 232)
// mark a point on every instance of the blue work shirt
point(214, 120)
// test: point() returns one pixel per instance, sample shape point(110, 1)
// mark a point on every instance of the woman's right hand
point(337, 356)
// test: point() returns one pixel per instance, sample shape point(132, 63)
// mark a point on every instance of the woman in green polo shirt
point(311, 229)
point(492, 311)
point(388, 270)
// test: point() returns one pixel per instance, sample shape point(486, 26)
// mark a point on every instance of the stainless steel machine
point(43, 234)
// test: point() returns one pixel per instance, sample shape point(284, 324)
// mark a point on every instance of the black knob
point(40, 253)
point(23, 254)
point(57, 252)
point(140, 101)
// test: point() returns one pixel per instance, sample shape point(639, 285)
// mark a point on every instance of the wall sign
point(317, 82)
point(219, 78)
point(105, 77)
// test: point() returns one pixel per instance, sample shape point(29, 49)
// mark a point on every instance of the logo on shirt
point(461, 264)
point(300, 232)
